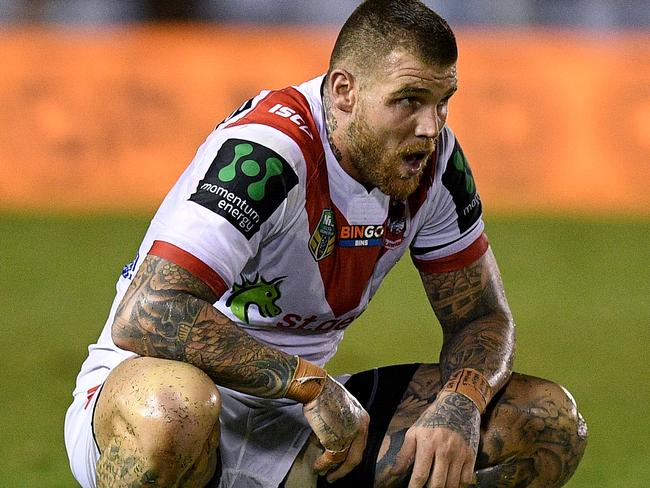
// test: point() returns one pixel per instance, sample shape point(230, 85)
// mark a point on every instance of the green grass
point(579, 289)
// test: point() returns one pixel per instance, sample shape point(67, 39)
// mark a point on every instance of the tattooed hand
point(339, 422)
point(442, 444)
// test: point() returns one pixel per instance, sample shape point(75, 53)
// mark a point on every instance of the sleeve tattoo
point(167, 313)
point(478, 330)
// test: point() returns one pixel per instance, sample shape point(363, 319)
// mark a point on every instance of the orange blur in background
point(94, 120)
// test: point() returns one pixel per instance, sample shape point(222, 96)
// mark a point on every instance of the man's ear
point(343, 87)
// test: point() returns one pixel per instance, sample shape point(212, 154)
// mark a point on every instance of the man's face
point(399, 114)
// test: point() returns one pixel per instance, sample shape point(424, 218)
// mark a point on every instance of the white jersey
point(292, 244)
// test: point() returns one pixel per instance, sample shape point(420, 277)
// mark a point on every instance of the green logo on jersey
point(251, 168)
point(245, 184)
point(259, 292)
point(461, 164)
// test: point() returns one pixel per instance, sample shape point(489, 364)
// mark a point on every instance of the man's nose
point(428, 124)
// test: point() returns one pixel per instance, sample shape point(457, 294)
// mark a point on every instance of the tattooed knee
point(536, 428)
point(576, 421)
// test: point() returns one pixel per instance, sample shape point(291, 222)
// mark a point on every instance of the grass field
point(579, 289)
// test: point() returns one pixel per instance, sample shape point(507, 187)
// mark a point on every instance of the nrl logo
point(321, 242)
point(396, 225)
point(259, 292)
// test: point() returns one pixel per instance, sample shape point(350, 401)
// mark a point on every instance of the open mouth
point(415, 161)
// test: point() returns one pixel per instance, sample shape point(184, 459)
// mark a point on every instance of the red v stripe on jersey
point(345, 273)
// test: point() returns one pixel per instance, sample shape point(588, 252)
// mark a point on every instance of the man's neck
point(334, 132)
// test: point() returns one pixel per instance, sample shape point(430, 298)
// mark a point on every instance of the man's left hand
point(442, 444)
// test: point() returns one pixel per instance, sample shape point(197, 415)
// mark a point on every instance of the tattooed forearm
point(332, 418)
point(167, 313)
point(477, 324)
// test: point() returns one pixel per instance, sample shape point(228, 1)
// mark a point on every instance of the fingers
point(405, 456)
point(422, 468)
point(446, 473)
point(338, 419)
point(435, 465)
point(451, 471)
point(328, 460)
point(340, 463)
point(467, 474)
point(354, 456)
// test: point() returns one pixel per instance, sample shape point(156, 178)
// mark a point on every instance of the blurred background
point(579, 13)
point(103, 103)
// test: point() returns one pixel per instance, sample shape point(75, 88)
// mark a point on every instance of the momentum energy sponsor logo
point(245, 184)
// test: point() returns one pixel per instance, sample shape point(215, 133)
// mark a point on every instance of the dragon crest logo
point(259, 292)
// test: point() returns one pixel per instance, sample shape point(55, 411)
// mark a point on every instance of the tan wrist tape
point(307, 382)
point(471, 384)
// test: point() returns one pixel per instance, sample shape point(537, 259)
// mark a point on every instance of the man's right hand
point(341, 424)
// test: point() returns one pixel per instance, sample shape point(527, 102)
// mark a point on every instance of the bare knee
point(549, 407)
point(536, 424)
point(160, 415)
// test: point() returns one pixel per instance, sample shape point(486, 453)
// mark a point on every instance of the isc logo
point(289, 113)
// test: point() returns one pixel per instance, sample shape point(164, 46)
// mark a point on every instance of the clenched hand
point(341, 424)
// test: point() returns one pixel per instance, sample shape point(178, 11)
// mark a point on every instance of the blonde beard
point(379, 167)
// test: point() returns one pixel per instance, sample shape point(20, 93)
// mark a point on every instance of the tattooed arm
point(167, 313)
point(478, 333)
point(478, 330)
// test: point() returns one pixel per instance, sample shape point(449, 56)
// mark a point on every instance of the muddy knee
point(157, 420)
point(535, 428)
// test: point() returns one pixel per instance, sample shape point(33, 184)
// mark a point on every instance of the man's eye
point(409, 101)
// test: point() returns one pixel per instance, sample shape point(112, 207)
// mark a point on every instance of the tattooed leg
point(157, 424)
point(532, 434)
point(535, 431)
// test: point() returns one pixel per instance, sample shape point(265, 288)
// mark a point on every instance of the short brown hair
point(377, 27)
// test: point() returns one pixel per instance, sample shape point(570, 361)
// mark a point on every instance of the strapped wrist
point(471, 384)
point(307, 383)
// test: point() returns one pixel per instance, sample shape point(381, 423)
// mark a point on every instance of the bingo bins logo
point(361, 235)
point(245, 184)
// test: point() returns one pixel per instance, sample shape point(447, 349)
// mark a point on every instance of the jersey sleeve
point(238, 193)
point(451, 234)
